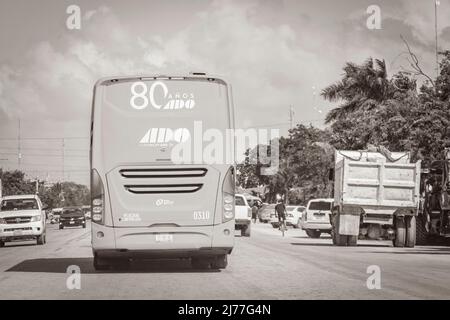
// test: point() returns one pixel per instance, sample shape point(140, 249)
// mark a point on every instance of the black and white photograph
point(225, 154)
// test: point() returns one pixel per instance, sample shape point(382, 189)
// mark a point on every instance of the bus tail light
point(228, 195)
point(97, 198)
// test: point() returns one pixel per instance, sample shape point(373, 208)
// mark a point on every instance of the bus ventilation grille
point(163, 173)
point(163, 188)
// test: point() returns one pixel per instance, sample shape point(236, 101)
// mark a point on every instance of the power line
point(45, 155)
point(33, 138)
point(44, 149)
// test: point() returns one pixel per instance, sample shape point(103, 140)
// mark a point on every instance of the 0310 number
point(201, 215)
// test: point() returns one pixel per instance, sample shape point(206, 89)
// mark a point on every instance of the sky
point(276, 54)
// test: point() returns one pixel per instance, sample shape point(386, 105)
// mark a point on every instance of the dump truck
point(433, 220)
point(376, 196)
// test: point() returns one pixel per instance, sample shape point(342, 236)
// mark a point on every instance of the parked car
point(294, 216)
point(265, 211)
point(316, 219)
point(243, 215)
point(22, 217)
point(72, 217)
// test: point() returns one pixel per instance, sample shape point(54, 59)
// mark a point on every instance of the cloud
point(273, 59)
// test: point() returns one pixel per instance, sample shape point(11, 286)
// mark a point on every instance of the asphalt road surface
point(264, 266)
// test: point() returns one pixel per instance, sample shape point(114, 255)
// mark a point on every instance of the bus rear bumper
point(161, 254)
point(164, 242)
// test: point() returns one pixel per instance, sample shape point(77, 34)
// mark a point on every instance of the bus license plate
point(164, 237)
point(18, 232)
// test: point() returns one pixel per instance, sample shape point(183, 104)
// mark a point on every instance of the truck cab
point(22, 217)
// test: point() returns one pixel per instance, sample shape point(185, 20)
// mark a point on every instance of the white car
point(22, 217)
point(243, 215)
point(293, 217)
point(316, 219)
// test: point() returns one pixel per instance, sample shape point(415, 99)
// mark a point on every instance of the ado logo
point(170, 101)
point(164, 136)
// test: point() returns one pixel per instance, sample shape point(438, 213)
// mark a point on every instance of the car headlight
point(35, 218)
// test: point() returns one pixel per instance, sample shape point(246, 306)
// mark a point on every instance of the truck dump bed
point(370, 181)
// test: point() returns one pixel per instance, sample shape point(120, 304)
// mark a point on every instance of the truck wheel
point(352, 241)
point(220, 262)
point(313, 233)
point(246, 231)
point(410, 231)
point(2, 244)
point(100, 264)
point(338, 239)
point(400, 232)
point(40, 240)
point(421, 232)
point(200, 263)
point(61, 227)
point(274, 225)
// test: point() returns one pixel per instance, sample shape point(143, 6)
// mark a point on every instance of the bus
point(145, 205)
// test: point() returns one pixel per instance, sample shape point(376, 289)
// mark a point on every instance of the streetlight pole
point(436, 4)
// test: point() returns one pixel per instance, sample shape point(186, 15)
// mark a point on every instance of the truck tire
point(275, 225)
point(313, 233)
point(220, 262)
point(245, 232)
point(421, 232)
point(40, 240)
point(2, 244)
point(338, 239)
point(400, 232)
point(352, 241)
point(410, 231)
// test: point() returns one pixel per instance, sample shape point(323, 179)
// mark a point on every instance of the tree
point(406, 119)
point(13, 182)
point(362, 86)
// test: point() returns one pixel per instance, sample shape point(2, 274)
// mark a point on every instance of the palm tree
point(362, 86)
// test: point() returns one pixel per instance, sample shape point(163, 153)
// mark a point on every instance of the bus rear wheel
point(200, 263)
point(100, 264)
point(220, 262)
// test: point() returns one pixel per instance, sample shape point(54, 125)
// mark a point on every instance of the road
point(264, 266)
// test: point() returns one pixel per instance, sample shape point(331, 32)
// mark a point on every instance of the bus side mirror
point(331, 174)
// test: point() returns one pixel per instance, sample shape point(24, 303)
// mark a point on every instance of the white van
point(243, 215)
point(316, 220)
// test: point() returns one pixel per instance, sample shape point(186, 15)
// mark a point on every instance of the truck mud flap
point(349, 224)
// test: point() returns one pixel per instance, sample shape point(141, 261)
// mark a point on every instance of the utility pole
point(63, 160)
point(291, 116)
point(436, 4)
point(19, 151)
